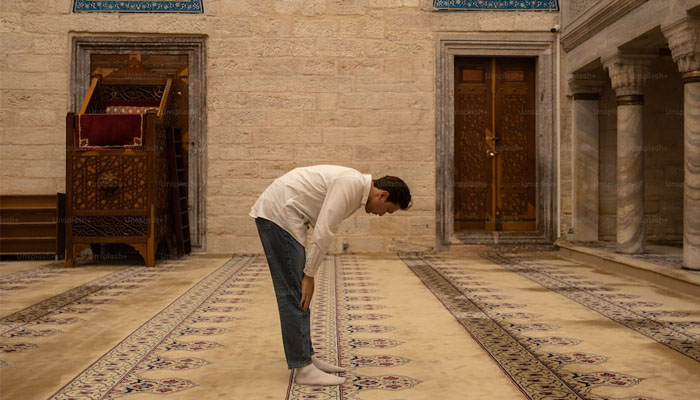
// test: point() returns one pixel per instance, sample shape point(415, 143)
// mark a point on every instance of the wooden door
point(494, 155)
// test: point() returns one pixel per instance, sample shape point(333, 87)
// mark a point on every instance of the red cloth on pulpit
point(104, 131)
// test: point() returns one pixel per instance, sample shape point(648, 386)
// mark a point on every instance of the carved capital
point(629, 72)
point(684, 41)
point(584, 86)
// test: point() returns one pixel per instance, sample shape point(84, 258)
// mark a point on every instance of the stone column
point(586, 93)
point(628, 75)
point(684, 41)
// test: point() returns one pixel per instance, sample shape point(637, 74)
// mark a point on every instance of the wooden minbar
point(117, 181)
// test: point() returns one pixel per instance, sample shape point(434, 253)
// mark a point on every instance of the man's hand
point(307, 291)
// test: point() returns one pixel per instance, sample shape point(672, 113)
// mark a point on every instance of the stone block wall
point(289, 83)
point(607, 164)
point(566, 179)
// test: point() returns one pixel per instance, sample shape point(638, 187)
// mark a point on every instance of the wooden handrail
point(164, 99)
point(88, 96)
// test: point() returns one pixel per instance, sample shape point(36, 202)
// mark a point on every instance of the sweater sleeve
point(343, 197)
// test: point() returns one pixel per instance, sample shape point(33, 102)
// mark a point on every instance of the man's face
point(378, 204)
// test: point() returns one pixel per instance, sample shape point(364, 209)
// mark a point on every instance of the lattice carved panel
point(119, 226)
point(126, 92)
point(514, 203)
point(471, 164)
point(475, 203)
point(109, 182)
point(513, 143)
point(516, 113)
point(517, 171)
point(470, 124)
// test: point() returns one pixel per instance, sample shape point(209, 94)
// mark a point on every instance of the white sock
point(310, 375)
point(325, 367)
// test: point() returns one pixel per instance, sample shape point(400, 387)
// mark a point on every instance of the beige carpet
point(435, 327)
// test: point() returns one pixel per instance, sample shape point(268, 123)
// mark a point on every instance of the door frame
point(83, 46)
point(540, 46)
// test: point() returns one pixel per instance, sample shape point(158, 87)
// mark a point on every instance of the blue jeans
point(286, 258)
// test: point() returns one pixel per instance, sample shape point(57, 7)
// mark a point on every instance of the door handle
point(491, 153)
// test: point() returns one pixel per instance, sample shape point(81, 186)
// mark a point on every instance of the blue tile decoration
point(497, 5)
point(152, 6)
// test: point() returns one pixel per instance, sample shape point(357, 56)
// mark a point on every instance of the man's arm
point(307, 292)
point(343, 194)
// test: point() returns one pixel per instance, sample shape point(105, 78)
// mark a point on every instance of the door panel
point(515, 124)
point(494, 170)
point(473, 175)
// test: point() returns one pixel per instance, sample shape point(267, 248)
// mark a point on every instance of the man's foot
point(325, 367)
point(310, 375)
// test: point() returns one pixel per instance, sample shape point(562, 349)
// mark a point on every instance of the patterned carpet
point(562, 330)
point(475, 326)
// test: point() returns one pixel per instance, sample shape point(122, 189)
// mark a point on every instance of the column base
point(691, 257)
point(626, 249)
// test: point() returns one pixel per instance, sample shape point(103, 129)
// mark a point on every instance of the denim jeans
point(286, 258)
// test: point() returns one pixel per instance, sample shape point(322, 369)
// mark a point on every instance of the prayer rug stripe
point(592, 297)
point(28, 276)
point(96, 381)
point(335, 305)
point(352, 275)
point(324, 334)
point(533, 377)
point(23, 317)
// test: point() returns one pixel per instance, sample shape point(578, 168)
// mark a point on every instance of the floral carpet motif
point(336, 318)
point(58, 310)
point(434, 326)
point(22, 280)
point(538, 373)
point(680, 336)
point(118, 372)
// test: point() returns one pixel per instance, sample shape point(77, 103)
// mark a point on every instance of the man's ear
point(383, 195)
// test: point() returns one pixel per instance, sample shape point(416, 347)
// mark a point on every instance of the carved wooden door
point(494, 145)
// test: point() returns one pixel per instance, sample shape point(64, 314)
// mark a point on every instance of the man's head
point(388, 194)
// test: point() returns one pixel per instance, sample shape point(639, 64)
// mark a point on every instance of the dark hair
point(398, 190)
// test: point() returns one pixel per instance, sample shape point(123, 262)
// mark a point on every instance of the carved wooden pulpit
point(117, 184)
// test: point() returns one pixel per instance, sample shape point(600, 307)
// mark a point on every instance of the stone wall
point(290, 83)
point(607, 164)
point(566, 179)
point(573, 9)
point(663, 155)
